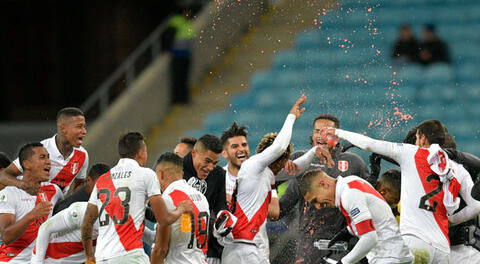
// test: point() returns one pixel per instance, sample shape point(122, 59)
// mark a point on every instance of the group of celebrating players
point(53, 211)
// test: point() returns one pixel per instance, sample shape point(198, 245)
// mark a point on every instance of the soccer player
point(118, 201)
point(202, 173)
point(254, 185)
point(69, 159)
point(182, 247)
point(425, 213)
point(185, 146)
point(389, 186)
point(324, 223)
point(21, 214)
point(368, 216)
point(83, 193)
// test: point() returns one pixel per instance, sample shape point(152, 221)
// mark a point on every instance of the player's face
point(143, 155)
point(75, 130)
point(182, 149)
point(391, 196)
point(204, 161)
point(321, 195)
point(317, 138)
point(237, 150)
point(39, 164)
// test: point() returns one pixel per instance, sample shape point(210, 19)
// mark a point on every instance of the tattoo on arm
point(89, 219)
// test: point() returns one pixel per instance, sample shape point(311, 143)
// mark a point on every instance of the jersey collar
point(127, 162)
point(175, 185)
point(339, 190)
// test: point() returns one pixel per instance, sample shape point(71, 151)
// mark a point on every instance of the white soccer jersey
point(366, 211)
point(254, 191)
point(188, 247)
point(121, 196)
point(423, 212)
point(230, 181)
point(19, 203)
point(59, 238)
point(63, 171)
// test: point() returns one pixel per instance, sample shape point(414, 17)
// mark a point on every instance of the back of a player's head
point(392, 178)
point(190, 141)
point(306, 183)
point(27, 151)
point(209, 142)
point(130, 144)
point(68, 112)
point(98, 170)
point(233, 131)
point(4, 160)
point(170, 159)
point(267, 141)
point(433, 130)
point(329, 117)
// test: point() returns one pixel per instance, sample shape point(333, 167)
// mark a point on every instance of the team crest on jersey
point(199, 184)
point(3, 198)
point(74, 168)
point(342, 165)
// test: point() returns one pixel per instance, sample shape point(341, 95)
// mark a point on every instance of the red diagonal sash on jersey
point(365, 188)
point(130, 237)
point(424, 170)
point(245, 229)
point(179, 196)
point(10, 251)
point(70, 170)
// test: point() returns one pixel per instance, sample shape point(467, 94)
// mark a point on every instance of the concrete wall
point(219, 26)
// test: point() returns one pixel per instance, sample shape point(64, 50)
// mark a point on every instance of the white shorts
point(136, 257)
point(464, 254)
point(424, 253)
point(243, 253)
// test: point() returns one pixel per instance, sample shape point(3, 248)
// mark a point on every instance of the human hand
point(41, 209)
point(185, 206)
point(297, 108)
point(325, 157)
point(291, 168)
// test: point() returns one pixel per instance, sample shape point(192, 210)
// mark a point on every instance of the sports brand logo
point(342, 165)
point(199, 184)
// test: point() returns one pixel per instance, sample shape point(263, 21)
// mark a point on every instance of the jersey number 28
point(423, 201)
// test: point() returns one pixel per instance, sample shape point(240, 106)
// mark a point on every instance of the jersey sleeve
point(473, 206)
point(16, 162)
point(82, 174)
point(304, 161)
point(389, 149)
point(151, 183)
point(355, 205)
point(93, 197)
point(169, 202)
point(65, 221)
point(7, 202)
point(279, 145)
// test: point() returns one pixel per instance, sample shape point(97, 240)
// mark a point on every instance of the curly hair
point(267, 141)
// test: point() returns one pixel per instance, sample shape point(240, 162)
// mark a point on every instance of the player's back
point(423, 212)
point(121, 197)
point(188, 247)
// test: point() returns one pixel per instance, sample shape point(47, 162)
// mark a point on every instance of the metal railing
point(126, 72)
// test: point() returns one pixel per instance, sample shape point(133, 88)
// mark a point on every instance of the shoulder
point(48, 142)
point(10, 192)
point(82, 149)
point(297, 154)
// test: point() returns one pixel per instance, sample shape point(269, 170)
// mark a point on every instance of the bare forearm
point(14, 231)
point(90, 217)
point(273, 209)
point(162, 241)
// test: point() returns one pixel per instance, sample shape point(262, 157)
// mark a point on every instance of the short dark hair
point(233, 131)
point(69, 112)
point(330, 117)
point(410, 138)
point(433, 130)
point(170, 157)
point(4, 160)
point(393, 178)
point(307, 179)
point(129, 144)
point(189, 141)
point(26, 151)
point(98, 170)
point(211, 143)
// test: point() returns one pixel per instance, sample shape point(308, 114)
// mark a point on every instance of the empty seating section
point(346, 69)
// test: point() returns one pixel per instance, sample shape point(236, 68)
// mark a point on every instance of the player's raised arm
point(386, 148)
point(163, 216)
point(282, 141)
